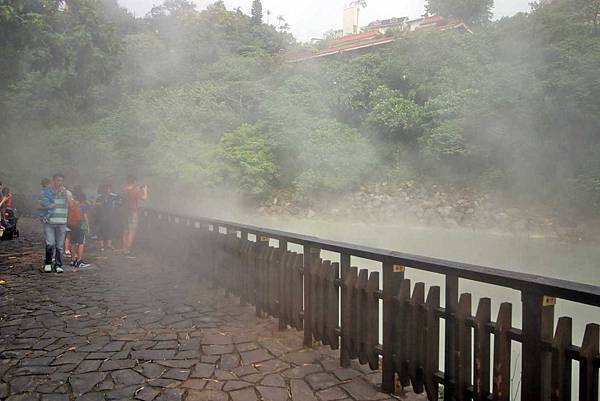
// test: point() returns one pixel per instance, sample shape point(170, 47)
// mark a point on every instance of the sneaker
point(74, 263)
point(47, 269)
point(83, 264)
point(59, 269)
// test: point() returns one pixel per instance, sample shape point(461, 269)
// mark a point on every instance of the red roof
point(358, 36)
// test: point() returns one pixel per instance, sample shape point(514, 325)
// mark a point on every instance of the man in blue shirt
point(53, 206)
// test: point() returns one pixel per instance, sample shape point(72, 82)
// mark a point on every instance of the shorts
point(78, 237)
point(132, 221)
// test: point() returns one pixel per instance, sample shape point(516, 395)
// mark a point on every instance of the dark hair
point(58, 175)
point(78, 194)
point(5, 191)
point(45, 182)
point(131, 179)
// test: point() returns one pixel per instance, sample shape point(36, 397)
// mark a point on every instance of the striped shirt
point(58, 214)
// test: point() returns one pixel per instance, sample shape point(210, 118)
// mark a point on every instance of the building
point(386, 25)
point(435, 23)
point(350, 20)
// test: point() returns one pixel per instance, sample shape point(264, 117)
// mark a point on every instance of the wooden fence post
point(450, 337)
point(311, 257)
point(282, 284)
point(538, 325)
point(393, 275)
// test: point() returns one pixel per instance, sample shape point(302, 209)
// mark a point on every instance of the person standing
point(53, 204)
point(133, 194)
point(79, 223)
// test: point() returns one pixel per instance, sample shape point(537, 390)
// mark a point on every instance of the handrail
point(563, 289)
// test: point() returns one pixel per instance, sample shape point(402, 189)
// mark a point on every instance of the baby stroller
point(8, 225)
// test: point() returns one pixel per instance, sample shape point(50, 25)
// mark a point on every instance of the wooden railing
point(338, 305)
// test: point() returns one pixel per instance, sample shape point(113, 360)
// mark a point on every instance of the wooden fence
point(338, 305)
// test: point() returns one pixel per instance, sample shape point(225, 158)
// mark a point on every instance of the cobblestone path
point(139, 329)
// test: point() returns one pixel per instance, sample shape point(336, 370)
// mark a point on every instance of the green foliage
point(256, 12)
point(247, 161)
point(471, 11)
point(398, 117)
point(334, 158)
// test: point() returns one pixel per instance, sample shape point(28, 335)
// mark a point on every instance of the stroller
point(8, 225)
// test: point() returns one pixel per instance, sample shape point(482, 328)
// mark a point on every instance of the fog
point(476, 143)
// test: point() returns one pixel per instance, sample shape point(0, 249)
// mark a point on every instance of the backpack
point(74, 215)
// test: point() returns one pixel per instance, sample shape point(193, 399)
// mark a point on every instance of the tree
point(257, 13)
point(473, 12)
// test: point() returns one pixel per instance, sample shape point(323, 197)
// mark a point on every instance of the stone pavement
point(147, 330)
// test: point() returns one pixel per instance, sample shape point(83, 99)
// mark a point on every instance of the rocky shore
point(411, 203)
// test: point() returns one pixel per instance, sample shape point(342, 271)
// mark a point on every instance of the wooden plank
point(346, 305)
point(561, 363)
point(333, 299)
point(588, 373)
point(348, 329)
point(432, 343)
point(462, 359)
point(481, 361)
point(361, 321)
point(320, 300)
point(311, 257)
point(402, 333)
point(372, 320)
point(502, 349)
point(451, 296)
point(298, 302)
point(538, 320)
point(283, 285)
point(392, 278)
point(416, 333)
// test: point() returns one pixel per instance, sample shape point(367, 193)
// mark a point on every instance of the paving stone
point(235, 385)
point(34, 370)
point(255, 356)
point(361, 390)
point(117, 364)
point(331, 394)
point(301, 391)
point(152, 355)
point(217, 349)
point(166, 345)
point(245, 370)
point(96, 396)
point(203, 370)
point(24, 397)
point(146, 393)
point(302, 371)
point(113, 346)
point(210, 359)
point(319, 381)
point(55, 397)
point(206, 395)
point(3, 390)
point(194, 384)
point(127, 377)
point(122, 393)
point(247, 394)
point(42, 361)
point(216, 339)
point(183, 364)
point(82, 383)
point(88, 366)
point(273, 380)
point(171, 394)
point(302, 357)
point(229, 361)
point(69, 358)
point(345, 374)
point(177, 374)
point(273, 393)
point(189, 354)
point(151, 370)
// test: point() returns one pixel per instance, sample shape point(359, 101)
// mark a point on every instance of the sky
point(311, 18)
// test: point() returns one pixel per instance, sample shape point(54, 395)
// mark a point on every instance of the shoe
point(47, 269)
point(59, 269)
point(83, 264)
point(68, 254)
point(74, 263)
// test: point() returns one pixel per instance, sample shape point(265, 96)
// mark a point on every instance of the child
point(79, 225)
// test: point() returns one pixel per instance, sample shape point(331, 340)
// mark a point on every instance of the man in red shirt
point(133, 194)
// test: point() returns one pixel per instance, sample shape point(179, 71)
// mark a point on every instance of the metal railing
point(337, 305)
